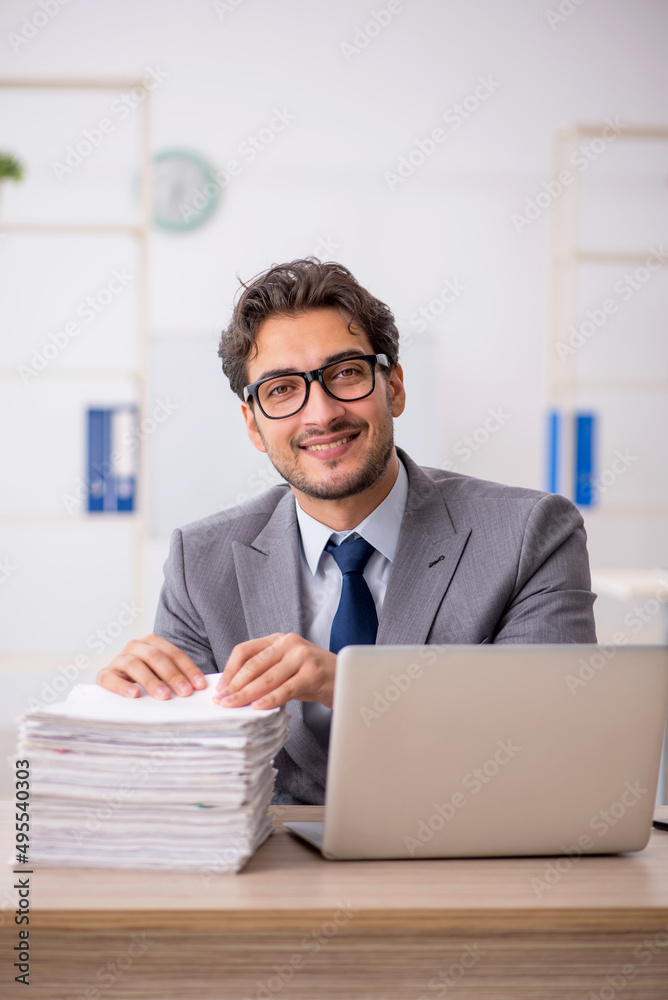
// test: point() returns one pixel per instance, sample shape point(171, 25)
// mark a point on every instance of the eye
point(280, 389)
point(348, 370)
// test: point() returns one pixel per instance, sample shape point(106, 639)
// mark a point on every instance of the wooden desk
point(296, 927)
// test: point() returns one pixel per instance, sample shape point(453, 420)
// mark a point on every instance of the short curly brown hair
point(290, 289)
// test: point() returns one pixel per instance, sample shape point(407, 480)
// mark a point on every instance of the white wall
point(319, 184)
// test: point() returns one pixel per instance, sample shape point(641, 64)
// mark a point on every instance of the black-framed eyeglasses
point(346, 380)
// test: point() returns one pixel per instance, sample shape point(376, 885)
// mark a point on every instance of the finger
point(190, 669)
point(161, 664)
point(118, 682)
point(268, 681)
point(280, 695)
point(150, 677)
point(239, 657)
point(309, 680)
point(255, 667)
point(312, 679)
point(133, 668)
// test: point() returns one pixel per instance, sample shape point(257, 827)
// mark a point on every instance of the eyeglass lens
point(345, 380)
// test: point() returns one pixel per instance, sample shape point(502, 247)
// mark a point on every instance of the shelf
point(58, 228)
point(128, 373)
point(70, 83)
point(75, 518)
point(640, 385)
point(629, 132)
point(602, 257)
point(628, 510)
point(629, 584)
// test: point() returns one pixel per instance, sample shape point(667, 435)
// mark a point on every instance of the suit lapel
point(268, 574)
point(427, 556)
point(269, 578)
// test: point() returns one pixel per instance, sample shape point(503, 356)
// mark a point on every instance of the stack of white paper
point(139, 783)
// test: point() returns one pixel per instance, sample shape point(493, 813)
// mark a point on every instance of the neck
point(347, 513)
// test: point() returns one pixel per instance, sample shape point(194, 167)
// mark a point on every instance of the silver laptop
point(483, 751)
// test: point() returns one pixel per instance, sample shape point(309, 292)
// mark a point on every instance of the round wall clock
point(186, 190)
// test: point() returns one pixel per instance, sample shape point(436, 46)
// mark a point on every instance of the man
point(361, 546)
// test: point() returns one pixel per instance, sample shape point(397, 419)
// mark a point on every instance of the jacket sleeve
point(552, 599)
point(176, 618)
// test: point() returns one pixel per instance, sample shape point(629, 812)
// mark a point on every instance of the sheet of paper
point(92, 702)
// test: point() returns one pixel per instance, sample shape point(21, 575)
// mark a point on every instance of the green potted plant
point(10, 168)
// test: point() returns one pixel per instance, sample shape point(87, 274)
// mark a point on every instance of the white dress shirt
point(321, 578)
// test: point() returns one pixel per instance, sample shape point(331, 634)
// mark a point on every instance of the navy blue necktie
point(355, 622)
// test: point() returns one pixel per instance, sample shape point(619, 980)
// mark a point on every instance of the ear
point(251, 427)
point(397, 390)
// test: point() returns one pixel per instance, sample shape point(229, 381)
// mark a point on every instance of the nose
point(321, 408)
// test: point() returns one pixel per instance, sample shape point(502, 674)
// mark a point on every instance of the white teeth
point(325, 447)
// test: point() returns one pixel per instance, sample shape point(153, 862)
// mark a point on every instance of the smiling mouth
point(330, 444)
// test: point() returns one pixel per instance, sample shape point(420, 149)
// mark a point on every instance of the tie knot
point(352, 555)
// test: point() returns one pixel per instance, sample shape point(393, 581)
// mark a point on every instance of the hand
point(268, 672)
point(149, 662)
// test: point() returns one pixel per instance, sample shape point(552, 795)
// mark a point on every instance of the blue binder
point(113, 448)
point(572, 474)
point(99, 438)
point(585, 495)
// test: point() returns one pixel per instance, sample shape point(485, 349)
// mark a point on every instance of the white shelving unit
point(138, 230)
point(566, 259)
point(564, 388)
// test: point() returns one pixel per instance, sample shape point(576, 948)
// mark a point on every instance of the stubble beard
point(356, 482)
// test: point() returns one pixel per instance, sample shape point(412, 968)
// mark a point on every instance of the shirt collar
point(381, 528)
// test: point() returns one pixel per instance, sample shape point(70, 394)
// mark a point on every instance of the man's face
point(358, 435)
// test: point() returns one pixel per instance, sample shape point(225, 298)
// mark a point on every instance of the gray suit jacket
point(476, 562)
